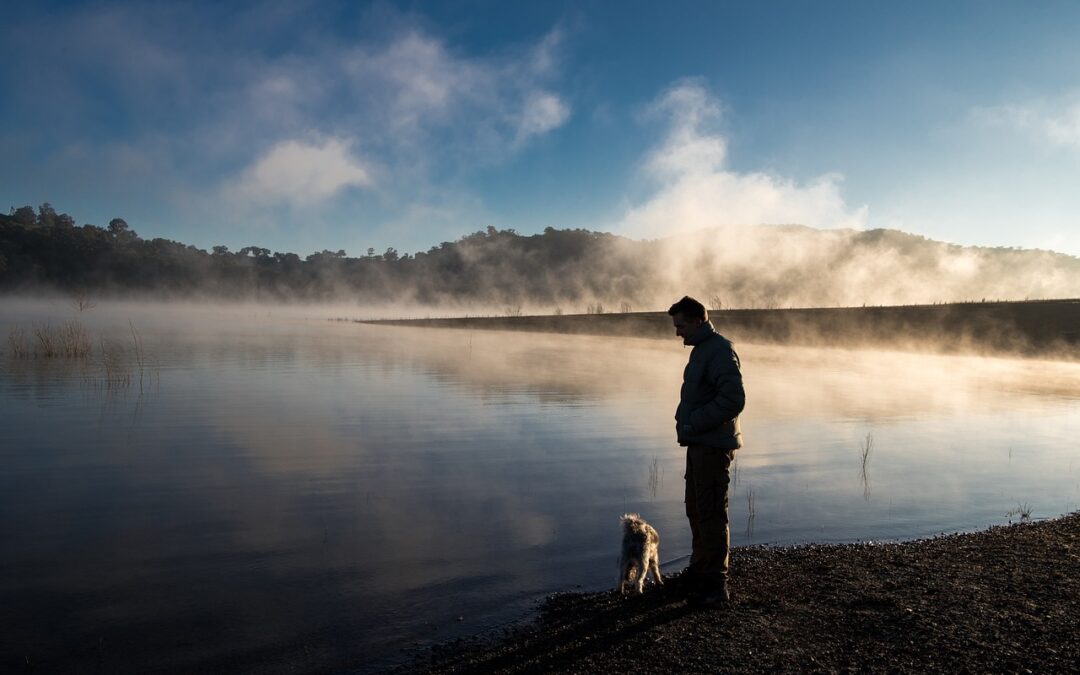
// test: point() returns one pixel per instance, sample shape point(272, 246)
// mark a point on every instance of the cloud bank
point(695, 189)
point(232, 114)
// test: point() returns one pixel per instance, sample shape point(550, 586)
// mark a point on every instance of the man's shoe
point(686, 583)
point(716, 597)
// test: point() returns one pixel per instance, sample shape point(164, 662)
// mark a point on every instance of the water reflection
point(310, 494)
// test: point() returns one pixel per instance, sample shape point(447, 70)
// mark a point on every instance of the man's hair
point(689, 308)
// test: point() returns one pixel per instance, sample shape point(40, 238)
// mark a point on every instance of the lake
point(272, 491)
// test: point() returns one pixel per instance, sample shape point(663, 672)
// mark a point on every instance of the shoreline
point(1002, 599)
point(1040, 328)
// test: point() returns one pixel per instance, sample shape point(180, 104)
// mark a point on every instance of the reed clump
point(115, 364)
point(18, 343)
point(68, 340)
point(122, 363)
point(74, 340)
point(45, 341)
point(1023, 510)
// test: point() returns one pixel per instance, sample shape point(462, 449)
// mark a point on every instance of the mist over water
point(289, 491)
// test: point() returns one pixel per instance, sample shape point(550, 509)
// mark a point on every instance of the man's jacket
point(712, 393)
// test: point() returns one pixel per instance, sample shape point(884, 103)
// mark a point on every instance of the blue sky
point(303, 126)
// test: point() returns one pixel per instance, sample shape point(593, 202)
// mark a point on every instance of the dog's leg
point(655, 564)
point(643, 571)
point(624, 572)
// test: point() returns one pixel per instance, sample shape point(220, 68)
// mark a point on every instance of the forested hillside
point(568, 270)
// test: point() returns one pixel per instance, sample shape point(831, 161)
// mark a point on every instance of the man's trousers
point(708, 474)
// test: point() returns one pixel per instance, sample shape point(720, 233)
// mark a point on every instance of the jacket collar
point(703, 333)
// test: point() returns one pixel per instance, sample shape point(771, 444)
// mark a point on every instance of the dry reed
point(46, 340)
point(114, 364)
point(74, 340)
point(69, 340)
point(136, 342)
point(17, 341)
point(867, 447)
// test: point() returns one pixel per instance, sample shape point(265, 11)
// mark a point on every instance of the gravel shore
point(1003, 600)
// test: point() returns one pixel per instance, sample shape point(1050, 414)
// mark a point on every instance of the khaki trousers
point(708, 474)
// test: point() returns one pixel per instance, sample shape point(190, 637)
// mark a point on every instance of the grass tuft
point(1023, 510)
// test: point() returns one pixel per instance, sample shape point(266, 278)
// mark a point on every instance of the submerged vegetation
point(1022, 511)
point(864, 453)
point(114, 364)
point(68, 340)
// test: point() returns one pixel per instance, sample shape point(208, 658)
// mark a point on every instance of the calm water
point(288, 493)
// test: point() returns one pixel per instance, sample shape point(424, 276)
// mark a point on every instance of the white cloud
point(420, 80)
point(543, 112)
point(697, 191)
point(545, 57)
point(1057, 123)
point(298, 173)
point(434, 99)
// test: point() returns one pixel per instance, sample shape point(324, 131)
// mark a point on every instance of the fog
point(735, 266)
point(562, 365)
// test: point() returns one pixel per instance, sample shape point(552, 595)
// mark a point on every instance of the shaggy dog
point(640, 553)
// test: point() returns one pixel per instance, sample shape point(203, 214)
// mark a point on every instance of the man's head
point(687, 315)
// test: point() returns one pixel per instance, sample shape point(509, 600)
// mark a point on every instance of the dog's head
point(633, 524)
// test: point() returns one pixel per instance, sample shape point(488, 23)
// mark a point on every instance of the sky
point(303, 126)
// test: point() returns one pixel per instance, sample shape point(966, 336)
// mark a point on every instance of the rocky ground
point(1003, 600)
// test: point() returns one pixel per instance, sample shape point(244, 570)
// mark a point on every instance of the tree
point(24, 215)
point(220, 250)
point(255, 251)
point(326, 254)
point(119, 230)
point(46, 215)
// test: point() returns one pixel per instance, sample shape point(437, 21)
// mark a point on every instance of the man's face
point(684, 327)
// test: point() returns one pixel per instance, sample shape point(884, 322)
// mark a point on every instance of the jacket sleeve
point(724, 374)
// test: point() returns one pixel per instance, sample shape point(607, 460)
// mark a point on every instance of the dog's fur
point(640, 553)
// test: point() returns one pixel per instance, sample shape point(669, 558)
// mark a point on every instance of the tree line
point(759, 266)
point(45, 250)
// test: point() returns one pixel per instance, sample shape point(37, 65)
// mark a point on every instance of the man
point(707, 423)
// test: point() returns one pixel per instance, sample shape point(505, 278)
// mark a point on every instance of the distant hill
point(566, 270)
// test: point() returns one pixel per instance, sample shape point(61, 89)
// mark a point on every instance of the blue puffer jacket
point(712, 393)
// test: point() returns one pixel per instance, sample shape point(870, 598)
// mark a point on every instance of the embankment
point(1049, 328)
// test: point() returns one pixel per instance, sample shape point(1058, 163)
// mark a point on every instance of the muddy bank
point(1049, 328)
point(1003, 600)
